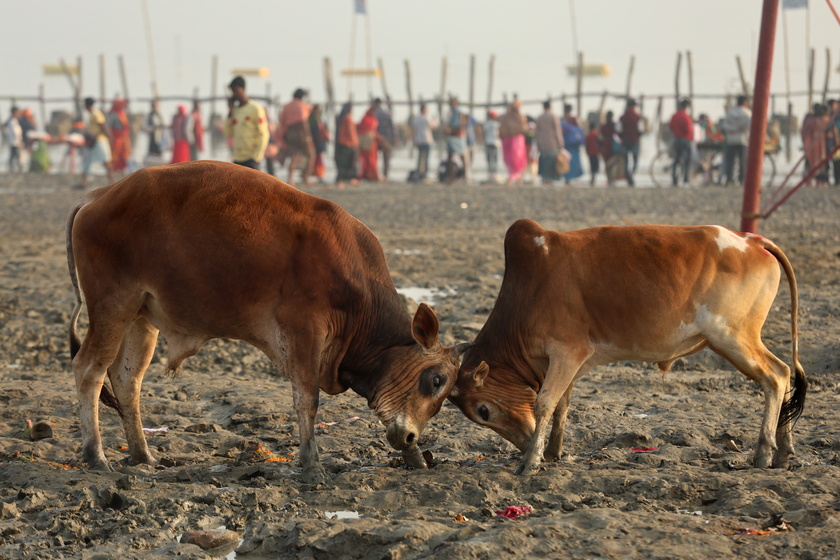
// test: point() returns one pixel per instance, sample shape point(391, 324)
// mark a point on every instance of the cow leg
point(306, 406)
point(90, 366)
point(555, 440)
point(784, 433)
point(126, 375)
point(759, 364)
point(300, 359)
point(562, 370)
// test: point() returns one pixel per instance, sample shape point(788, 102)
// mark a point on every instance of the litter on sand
point(643, 449)
point(774, 525)
point(161, 430)
point(512, 512)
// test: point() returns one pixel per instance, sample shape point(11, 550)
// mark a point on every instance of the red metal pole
point(758, 127)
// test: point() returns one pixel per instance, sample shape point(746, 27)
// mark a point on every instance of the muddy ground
point(694, 496)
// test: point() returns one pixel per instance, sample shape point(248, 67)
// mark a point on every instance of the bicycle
point(707, 166)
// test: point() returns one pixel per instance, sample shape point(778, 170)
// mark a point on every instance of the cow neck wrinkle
point(373, 335)
point(508, 353)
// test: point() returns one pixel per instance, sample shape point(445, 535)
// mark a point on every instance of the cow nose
point(402, 433)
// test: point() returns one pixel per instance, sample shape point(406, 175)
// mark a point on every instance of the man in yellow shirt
point(247, 125)
point(97, 144)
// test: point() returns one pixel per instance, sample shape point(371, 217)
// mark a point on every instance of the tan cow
point(572, 301)
point(206, 250)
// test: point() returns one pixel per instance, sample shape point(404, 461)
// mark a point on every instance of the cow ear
point(480, 373)
point(425, 327)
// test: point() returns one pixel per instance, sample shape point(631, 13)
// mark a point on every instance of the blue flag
point(794, 4)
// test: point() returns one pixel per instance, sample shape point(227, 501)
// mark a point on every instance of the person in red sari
point(368, 146)
point(814, 128)
point(180, 141)
point(195, 131)
point(120, 136)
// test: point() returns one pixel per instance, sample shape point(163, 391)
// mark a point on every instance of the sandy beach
point(654, 466)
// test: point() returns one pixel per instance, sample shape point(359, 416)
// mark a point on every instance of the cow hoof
point(314, 475)
point(146, 459)
point(103, 466)
point(781, 462)
point(526, 469)
point(550, 457)
point(762, 462)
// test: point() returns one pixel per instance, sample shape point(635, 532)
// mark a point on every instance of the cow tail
point(105, 394)
point(75, 341)
point(793, 407)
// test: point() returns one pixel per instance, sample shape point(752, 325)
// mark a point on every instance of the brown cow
point(572, 301)
point(206, 250)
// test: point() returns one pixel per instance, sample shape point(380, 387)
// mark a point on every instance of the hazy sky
point(531, 39)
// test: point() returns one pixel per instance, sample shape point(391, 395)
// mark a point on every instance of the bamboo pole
point(407, 66)
point(677, 81)
point(329, 110)
point(827, 73)
point(42, 105)
point(102, 93)
point(659, 123)
point(150, 49)
point(745, 88)
point(74, 86)
point(787, 65)
point(123, 78)
point(80, 80)
point(811, 57)
point(384, 87)
point(490, 74)
point(579, 86)
point(443, 71)
point(214, 79)
point(602, 104)
point(789, 131)
point(630, 75)
point(472, 83)
point(690, 82)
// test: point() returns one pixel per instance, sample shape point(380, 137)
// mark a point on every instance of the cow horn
point(459, 349)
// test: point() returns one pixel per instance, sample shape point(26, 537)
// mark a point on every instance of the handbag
point(366, 141)
point(561, 163)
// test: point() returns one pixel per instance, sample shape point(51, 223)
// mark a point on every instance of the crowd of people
point(548, 149)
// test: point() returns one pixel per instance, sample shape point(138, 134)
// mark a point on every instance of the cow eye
point(437, 381)
point(484, 412)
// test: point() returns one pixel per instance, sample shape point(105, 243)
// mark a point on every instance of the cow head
point(495, 398)
point(421, 377)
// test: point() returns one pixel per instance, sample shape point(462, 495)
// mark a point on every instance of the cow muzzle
point(402, 433)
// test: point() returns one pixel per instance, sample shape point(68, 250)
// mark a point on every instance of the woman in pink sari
point(512, 127)
point(180, 141)
point(368, 146)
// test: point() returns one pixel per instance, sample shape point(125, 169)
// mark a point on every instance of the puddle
point(410, 251)
point(427, 295)
point(342, 514)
